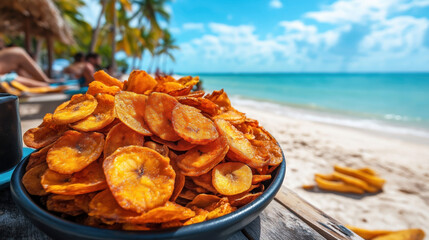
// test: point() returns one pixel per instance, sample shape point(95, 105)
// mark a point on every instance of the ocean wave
point(318, 115)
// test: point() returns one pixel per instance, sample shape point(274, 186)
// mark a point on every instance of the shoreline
point(312, 147)
point(331, 118)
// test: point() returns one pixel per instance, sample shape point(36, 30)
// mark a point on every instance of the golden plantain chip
point(104, 206)
point(79, 107)
point(140, 82)
point(240, 147)
point(193, 126)
point(108, 80)
point(179, 181)
point(180, 145)
point(74, 151)
point(97, 87)
point(169, 212)
point(203, 201)
point(260, 178)
point(58, 203)
point(162, 149)
point(243, 199)
point(205, 181)
point(203, 158)
point(158, 115)
point(45, 134)
point(102, 116)
point(90, 179)
point(140, 178)
point(31, 180)
point(232, 178)
point(121, 136)
point(37, 157)
point(202, 104)
point(130, 109)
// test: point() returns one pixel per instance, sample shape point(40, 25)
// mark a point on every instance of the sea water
point(389, 102)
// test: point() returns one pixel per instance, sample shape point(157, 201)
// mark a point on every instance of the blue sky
point(299, 36)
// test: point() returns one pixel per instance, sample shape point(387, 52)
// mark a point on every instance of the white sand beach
point(312, 147)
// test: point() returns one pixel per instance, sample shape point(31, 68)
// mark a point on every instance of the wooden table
point(275, 222)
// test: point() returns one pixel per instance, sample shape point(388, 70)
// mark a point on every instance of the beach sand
point(315, 148)
point(311, 148)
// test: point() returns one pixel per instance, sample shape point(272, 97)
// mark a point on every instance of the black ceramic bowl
point(218, 228)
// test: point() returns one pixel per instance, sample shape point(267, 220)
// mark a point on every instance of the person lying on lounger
point(16, 64)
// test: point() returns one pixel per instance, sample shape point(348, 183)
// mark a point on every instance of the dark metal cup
point(10, 132)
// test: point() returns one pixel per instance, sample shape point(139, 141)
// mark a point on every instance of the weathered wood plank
point(276, 222)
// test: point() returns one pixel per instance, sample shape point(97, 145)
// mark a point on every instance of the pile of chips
point(148, 154)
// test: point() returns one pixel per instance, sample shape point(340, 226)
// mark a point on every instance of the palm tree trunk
point(133, 62)
point(96, 31)
point(38, 50)
point(149, 69)
point(165, 63)
point(50, 54)
point(115, 22)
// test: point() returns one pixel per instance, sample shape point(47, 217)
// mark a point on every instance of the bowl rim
point(24, 200)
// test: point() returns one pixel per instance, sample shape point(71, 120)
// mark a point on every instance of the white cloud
point(361, 11)
point(193, 26)
point(403, 34)
point(276, 4)
point(365, 35)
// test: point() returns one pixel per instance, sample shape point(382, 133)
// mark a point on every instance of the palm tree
point(96, 30)
point(81, 29)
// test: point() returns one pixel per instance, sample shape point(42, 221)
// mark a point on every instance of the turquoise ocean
point(395, 103)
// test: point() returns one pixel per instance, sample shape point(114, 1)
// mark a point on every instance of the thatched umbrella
point(39, 18)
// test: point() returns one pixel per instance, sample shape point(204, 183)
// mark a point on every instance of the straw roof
point(44, 19)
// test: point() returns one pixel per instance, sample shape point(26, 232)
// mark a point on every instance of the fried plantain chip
point(162, 149)
point(45, 134)
point(120, 136)
point(260, 178)
point(105, 207)
point(158, 115)
point(169, 212)
point(66, 205)
point(97, 87)
point(193, 126)
point(140, 82)
point(203, 158)
point(82, 201)
point(233, 116)
point(200, 216)
point(130, 109)
point(240, 149)
point(108, 80)
point(205, 181)
point(37, 157)
point(102, 116)
point(232, 178)
point(140, 178)
point(90, 179)
point(220, 98)
point(202, 104)
point(74, 151)
point(31, 180)
point(179, 181)
point(243, 199)
point(203, 201)
point(79, 107)
point(180, 145)
point(219, 209)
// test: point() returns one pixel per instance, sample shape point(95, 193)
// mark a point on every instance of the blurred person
point(75, 70)
point(93, 62)
point(16, 64)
